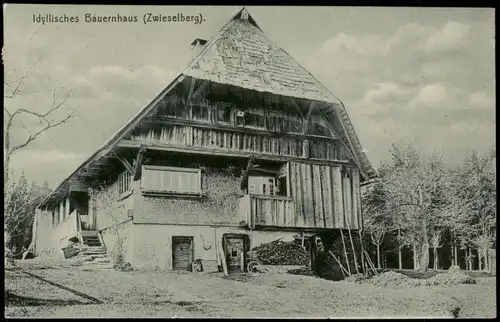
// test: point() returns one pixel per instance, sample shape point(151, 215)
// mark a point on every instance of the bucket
point(69, 252)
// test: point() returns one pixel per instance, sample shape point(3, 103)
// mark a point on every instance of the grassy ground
point(160, 294)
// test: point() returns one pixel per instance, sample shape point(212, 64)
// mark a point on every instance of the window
point(172, 107)
point(284, 123)
point(224, 113)
point(282, 188)
point(315, 128)
point(240, 118)
point(254, 120)
point(124, 183)
point(201, 111)
point(171, 180)
point(262, 185)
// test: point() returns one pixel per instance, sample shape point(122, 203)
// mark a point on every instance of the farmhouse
point(243, 147)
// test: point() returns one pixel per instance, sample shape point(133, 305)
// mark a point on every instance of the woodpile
point(280, 253)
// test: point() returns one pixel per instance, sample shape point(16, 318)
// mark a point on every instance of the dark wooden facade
point(322, 181)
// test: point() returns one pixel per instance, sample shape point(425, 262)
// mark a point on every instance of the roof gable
point(241, 55)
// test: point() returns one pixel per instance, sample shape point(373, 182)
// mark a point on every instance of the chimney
point(197, 45)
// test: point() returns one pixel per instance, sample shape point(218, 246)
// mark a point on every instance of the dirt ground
point(168, 294)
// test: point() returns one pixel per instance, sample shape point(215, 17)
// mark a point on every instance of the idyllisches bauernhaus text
point(147, 18)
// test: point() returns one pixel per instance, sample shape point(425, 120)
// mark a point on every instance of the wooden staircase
point(91, 243)
point(93, 250)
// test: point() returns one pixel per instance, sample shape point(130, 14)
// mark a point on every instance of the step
point(91, 241)
point(97, 244)
point(86, 247)
point(94, 251)
point(88, 238)
point(86, 233)
point(96, 256)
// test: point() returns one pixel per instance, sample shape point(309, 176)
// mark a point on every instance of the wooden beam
point(223, 258)
point(345, 253)
point(309, 112)
point(191, 89)
point(200, 89)
point(138, 164)
point(229, 128)
point(265, 171)
point(244, 180)
point(296, 106)
point(130, 144)
point(125, 163)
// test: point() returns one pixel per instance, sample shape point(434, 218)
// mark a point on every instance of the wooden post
point(345, 252)
point(352, 244)
point(217, 257)
point(371, 263)
point(242, 261)
point(223, 259)
point(342, 269)
point(302, 237)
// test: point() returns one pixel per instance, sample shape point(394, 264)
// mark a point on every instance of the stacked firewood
point(280, 253)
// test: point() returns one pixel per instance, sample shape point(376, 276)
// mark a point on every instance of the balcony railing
point(270, 211)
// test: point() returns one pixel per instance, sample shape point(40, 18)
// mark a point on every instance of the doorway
point(235, 248)
point(182, 253)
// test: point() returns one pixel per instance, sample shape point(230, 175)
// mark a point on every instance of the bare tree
point(44, 118)
point(47, 121)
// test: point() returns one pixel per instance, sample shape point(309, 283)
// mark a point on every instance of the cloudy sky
point(422, 75)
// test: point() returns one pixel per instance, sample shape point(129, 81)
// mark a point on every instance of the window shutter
point(171, 180)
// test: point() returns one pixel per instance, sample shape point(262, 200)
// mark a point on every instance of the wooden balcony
point(266, 211)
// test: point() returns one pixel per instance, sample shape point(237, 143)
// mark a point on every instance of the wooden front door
point(234, 250)
point(182, 253)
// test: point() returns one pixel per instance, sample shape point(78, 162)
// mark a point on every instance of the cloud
point(481, 100)
point(432, 95)
point(385, 92)
point(407, 38)
point(360, 45)
point(451, 36)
